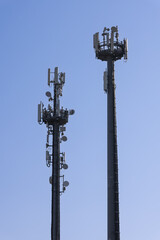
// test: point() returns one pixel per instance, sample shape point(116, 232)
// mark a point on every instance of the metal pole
point(55, 222)
point(113, 196)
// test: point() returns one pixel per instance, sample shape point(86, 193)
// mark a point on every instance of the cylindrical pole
point(55, 218)
point(112, 158)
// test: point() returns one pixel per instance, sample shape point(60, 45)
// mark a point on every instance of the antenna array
point(110, 47)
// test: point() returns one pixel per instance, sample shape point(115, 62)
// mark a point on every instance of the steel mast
point(55, 118)
point(111, 50)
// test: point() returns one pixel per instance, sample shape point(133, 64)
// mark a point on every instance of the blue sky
point(36, 35)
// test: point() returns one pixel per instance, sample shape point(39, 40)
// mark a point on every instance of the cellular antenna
point(55, 119)
point(111, 50)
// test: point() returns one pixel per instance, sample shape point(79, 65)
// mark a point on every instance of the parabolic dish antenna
point(64, 138)
point(65, 183)
point(48, 94)
point(65, 166)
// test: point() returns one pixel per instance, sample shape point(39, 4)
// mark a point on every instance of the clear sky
point(35, 35)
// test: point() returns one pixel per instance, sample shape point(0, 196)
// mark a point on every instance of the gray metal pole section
point(55, 228)
point(55, 222)
point(112, 158)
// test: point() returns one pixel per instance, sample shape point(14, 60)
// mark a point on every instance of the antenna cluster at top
point(58, 78)
point(110, 47)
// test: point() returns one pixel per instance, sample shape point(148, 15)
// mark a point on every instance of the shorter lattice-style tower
point(111, 50)
point(55, 119)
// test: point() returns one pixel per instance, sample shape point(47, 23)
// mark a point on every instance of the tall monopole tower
point(55, 117)
point(111, 50)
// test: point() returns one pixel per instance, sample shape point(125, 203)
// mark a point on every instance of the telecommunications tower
point(111, 50)
point(55, 118)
